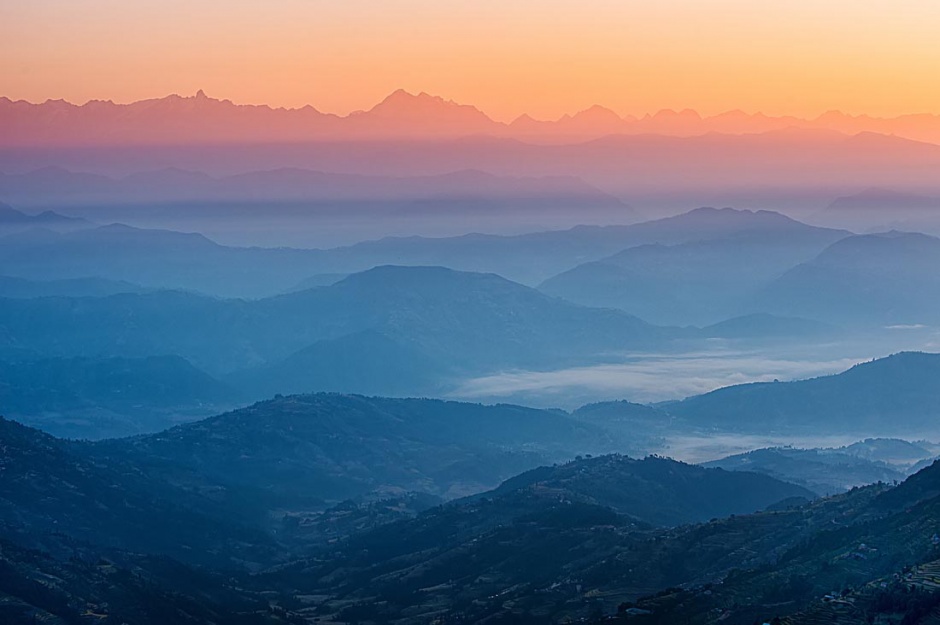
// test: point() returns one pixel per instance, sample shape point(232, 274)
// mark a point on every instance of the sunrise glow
point(544, 58)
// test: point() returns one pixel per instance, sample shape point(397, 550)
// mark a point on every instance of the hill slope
point(107, 397)
point(476, 321)
point(893, 395)
point(702, 281)
point(304, 450)
point(824, 471)
point(48, 486)
point(878, 279)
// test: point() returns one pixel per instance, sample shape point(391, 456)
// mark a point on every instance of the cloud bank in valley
point(647, 378)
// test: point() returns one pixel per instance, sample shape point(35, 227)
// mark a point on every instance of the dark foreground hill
point(656, 491)
point(560, 542)
point(306, 450)
point(80, 586)
point(50, 486)
point(540, 555)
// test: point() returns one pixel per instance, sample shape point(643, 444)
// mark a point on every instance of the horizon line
point(201, 94)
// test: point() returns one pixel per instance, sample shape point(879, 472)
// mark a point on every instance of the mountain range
point(302, 452)
point(231, 394)
point(876, 280)
point(540, 548)
point(296, 192)
point(171, 259)
point(12, 220)
point(696, 282)
point(790, 169)
point(488, 320)
point(199, 118)
point(90, 362)
point(243, 496)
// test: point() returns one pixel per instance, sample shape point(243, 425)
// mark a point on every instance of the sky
point(542, 57)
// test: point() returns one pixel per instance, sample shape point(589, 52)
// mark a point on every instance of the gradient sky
point(544, 57)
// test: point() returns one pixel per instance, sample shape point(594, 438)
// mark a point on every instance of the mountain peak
point(425, 110)
point(597, 113)
point(671, 114)
point(400, 98)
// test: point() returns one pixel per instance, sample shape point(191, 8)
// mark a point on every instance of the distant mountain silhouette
point(12, 220)
point(533, 258)
point(483, 317)
point(824, 471)
point(891, 450)
point(75, 287)
point(700, 281)
point(786, 167)
point(401, 114)
point(169, 259)
point(60, 187)
point(317, 280)
point(9, 215)
point(622, 414)
point(635, 427)
point(883, 209)
point(884, 200)
point(879, 279)
point(759, 326)
point(155, 259)
point(109, 397)
point(364, 362)
point(892, 395)
point(476, 322)
point(405, 114)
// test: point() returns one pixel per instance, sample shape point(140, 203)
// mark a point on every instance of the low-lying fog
point(658, 377)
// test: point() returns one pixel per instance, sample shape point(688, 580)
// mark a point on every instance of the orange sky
point(545, 57)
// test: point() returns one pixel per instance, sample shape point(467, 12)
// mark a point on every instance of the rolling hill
point(702, 281)
point(870, 280)
point(655, 490)
point(472, 321)
point(76, 287)
point(892, 395)
point(50, 486)
point(109, 397)
point(602, 538)
point(170, 259)
point(824, 471)
point(305, 450)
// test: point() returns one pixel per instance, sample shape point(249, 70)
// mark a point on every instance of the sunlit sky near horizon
point(542, 57)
